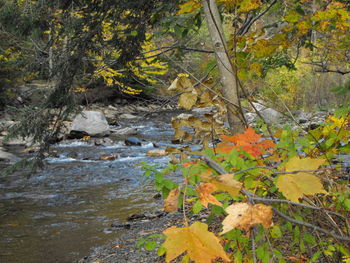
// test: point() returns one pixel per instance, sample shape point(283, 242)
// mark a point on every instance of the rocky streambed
point(58, 214)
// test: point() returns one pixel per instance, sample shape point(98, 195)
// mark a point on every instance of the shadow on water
point(59, 214)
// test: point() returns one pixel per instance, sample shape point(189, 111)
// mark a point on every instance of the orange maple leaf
point(249, 141)
point(205, 197)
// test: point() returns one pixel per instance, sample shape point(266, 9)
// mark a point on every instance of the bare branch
point(292, 220)
point(244, 29)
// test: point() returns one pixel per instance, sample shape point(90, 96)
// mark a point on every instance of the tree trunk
point(227, 74)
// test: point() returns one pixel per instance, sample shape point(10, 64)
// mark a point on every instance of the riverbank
point(125, 250)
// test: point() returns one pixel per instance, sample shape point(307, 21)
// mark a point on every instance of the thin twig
point(292, 220)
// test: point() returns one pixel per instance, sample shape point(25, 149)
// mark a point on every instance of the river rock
point(269, 115)
point(92, 123)
point(8, 157)
point(128, 116)
point(124, 131)
point(133, 141)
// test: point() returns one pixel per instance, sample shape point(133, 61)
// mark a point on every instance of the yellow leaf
point(187, 100)
point(204, 190)
point(247, 5)
point(201, 245)
point(296, 164)
point(171, 203)
point(294, 186)
point(189, 7)
point(244, 216)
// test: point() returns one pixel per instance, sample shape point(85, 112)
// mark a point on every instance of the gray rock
point(92, 123)
point(8, 157)
point(124, 131)
point(250, 117)
point(128, 116)
point(271, 115)
point(19, 142)
point(133, 141)
point(204, 110)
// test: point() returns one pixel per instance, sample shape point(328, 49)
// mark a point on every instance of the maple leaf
point(294, 186)
point(171, 203)
point(201, 245)
point(224, 182)
point(249, 141)
point(204, 190)
point(244, 216)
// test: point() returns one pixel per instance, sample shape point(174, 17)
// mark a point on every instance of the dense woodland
point(273, 193)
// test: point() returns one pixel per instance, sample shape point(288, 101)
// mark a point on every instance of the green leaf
point(310, 239)
point(150, 245)
point(316, 256)
point(276, 232)
point(161, 251)
point(347, 203)
point(238, 257)
point(197, 207)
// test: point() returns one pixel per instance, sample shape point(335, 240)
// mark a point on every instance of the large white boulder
point(92, 123)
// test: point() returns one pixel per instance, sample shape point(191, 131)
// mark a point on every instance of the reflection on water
point(58, 214)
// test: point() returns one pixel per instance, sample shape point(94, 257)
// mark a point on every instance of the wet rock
point(92, 123)
point(204, 110)
point(133, 141)
point(103, 142)
point(8, 157)
point(77, 134)
point(19, 142)
point(146, 216)
point(125, 226)
point(128, 116)
point(124, 131)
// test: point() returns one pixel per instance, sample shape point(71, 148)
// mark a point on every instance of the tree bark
point(227, 74)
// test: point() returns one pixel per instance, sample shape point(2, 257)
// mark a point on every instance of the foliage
point(272, 196)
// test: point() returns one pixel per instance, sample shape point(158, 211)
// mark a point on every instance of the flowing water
point(60, 213)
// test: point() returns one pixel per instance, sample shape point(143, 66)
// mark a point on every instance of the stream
point(60, 213)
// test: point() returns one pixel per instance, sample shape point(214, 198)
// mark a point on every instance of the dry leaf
point(157, 152)
point(181, 84)
point(108, 158)
point(244, 216)
point(187, 100)
point(204, 190)
point(226, 183)
point(201, 245)
point(171, 203)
